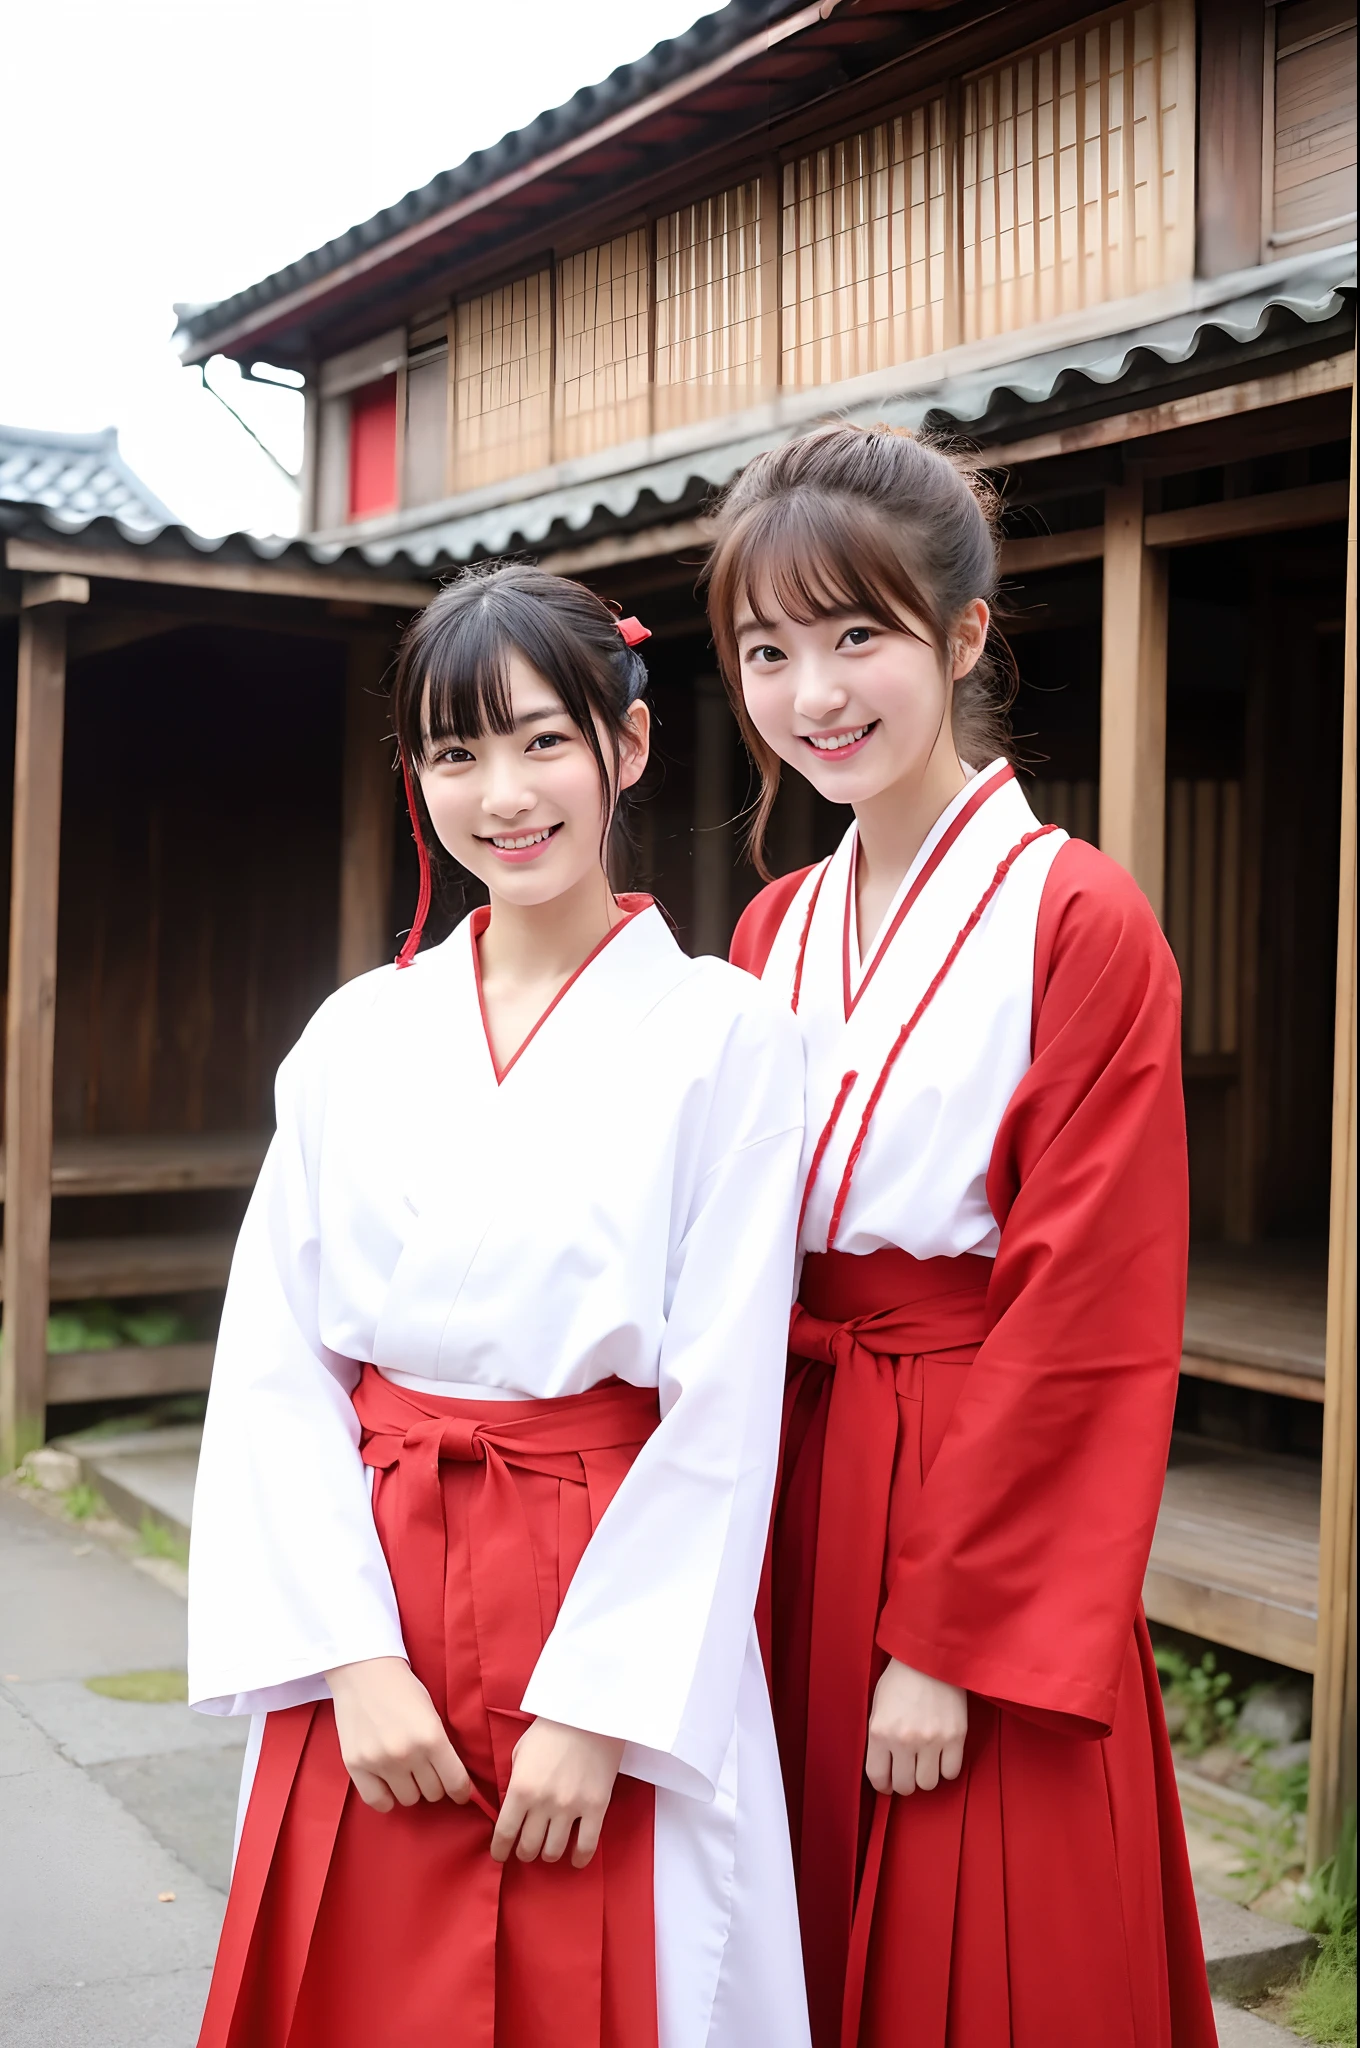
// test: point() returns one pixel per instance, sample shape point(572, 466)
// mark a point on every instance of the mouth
point(518, 847)
point(839, 746)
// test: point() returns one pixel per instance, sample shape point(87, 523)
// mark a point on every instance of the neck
point(893, 825)
point(526, 945)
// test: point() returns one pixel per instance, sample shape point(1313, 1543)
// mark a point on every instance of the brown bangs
point(818, 557)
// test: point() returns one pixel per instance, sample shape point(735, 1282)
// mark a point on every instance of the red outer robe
point(1042, 1900)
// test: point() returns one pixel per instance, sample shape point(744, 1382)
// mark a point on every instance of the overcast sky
point(162, 150)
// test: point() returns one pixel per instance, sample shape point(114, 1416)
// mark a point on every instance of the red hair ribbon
point(413, 937)
point(633, 631)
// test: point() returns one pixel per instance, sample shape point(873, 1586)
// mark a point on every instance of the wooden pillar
point(1332, 1777)
point(711, 926)
point(31, 1010)
point(367, 821)
point(1133, 695)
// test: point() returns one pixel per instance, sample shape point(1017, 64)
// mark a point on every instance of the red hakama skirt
point(1043, 1898)
point(346, 1927)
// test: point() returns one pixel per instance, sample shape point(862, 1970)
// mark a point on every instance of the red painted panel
point(373, 449)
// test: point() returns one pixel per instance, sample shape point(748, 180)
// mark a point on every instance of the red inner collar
point(631, 904)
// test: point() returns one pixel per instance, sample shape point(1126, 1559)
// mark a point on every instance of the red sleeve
point(1022, 1571)
point(761, 919)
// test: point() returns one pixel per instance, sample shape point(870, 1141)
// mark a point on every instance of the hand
point(916, 1731)
point(393, 1742)
point(561, 1778)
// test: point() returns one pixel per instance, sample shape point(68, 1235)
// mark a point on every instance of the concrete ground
point(115, 1816)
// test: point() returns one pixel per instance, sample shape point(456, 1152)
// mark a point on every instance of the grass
point(82, 1501)
point(1323, 2009)
point(151, 1688)
point(158, 1541)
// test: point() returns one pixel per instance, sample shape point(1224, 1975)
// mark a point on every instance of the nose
point(506, 796)
point(818, 693)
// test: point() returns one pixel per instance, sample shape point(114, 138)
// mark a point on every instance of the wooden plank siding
point(1311, 126)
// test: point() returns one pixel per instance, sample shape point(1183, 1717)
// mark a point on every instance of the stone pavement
point(106, 1805)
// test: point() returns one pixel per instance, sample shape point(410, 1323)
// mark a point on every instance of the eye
point(449, 756)
point(856, 636)
point(542, 741)
point(765, 655)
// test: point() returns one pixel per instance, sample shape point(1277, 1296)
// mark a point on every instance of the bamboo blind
point(1075, 171)
point(1073, 805)
point(601, 379)
point(709, 306)
point(1203, 899)
point(863, 250)
point(502, 379)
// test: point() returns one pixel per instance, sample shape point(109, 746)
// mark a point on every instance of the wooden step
point(1235, 1557)
point(133, 1371)
point(155, 1165)
point(114, 1268)
point(1256, 1317)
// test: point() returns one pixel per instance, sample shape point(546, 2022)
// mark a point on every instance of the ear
point(635, 743)
point(968, 637)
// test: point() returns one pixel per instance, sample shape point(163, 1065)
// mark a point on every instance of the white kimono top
point(620, 1202)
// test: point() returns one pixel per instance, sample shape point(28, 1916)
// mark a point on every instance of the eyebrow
point(544, 711)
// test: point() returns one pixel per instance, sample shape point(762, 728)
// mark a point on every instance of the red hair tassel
point(413, 937)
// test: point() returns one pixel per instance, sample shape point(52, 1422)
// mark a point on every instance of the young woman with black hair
point(491, 1443)
point(984, 1353)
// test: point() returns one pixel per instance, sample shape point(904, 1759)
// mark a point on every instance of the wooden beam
point(1133, 695)
point(130, 1370)
point(1228, 185)
point(1022, 556)
point(260, 579)
point(714, 863)
point(614, 548)
point(31, 1013)
point(1252, 394)
point(367, 824)
point(54, 590)
point(1332, 1778)
point(1240, 518)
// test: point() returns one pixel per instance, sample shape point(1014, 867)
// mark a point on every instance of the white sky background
point(162, 150)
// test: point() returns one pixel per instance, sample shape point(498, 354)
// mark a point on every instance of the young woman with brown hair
point(985, 1346)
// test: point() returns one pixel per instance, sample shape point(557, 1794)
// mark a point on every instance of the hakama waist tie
point(879, 1346)
point(348, 1926)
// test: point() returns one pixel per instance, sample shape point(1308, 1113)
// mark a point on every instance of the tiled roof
point(79, 475)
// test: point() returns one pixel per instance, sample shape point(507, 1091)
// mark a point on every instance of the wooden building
point(1111, 253)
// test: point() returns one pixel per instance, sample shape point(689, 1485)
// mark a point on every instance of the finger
point(403, 1786)
point(928, 1767)
point(427, 1778)
point(587, 1838)
point(878, 1765)
point(531, 1834)
point(951, 1758)
point(372, 1790)
point(452, 1774)
point(904, 1771)
point(507, 1825)
point(557, 1839)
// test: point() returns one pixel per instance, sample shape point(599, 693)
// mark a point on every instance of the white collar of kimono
point(952, 821)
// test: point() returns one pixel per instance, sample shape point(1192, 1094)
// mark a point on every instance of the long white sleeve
point(287, 1577)
point(649, 1643)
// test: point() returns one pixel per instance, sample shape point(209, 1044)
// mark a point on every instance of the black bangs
point(818, 558)
point(467, 676)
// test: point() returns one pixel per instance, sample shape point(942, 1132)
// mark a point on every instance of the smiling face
point(858, 707)
point(524, 810)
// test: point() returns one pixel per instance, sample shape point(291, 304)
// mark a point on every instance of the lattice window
point(1075, 171)
point(709, 306)
point(502, 382)
point(602, 346)
point(1203, 908)
point(863, 250)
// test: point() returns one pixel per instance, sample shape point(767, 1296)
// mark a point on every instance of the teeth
point(837, 740)
point(518, 845)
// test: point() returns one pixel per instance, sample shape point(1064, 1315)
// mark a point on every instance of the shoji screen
point(502, 382)
point(601, 373)
point(710, 292)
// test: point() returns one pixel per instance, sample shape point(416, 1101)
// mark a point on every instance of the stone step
point(1239, 2029)
point(148, 1472)
point(1245, 1953)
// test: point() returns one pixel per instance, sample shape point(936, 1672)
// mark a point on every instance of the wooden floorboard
point(131, 1371)
point(117, 1268)
point(155, 1165)
point(1235, 1557)
point(1256, 1316)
